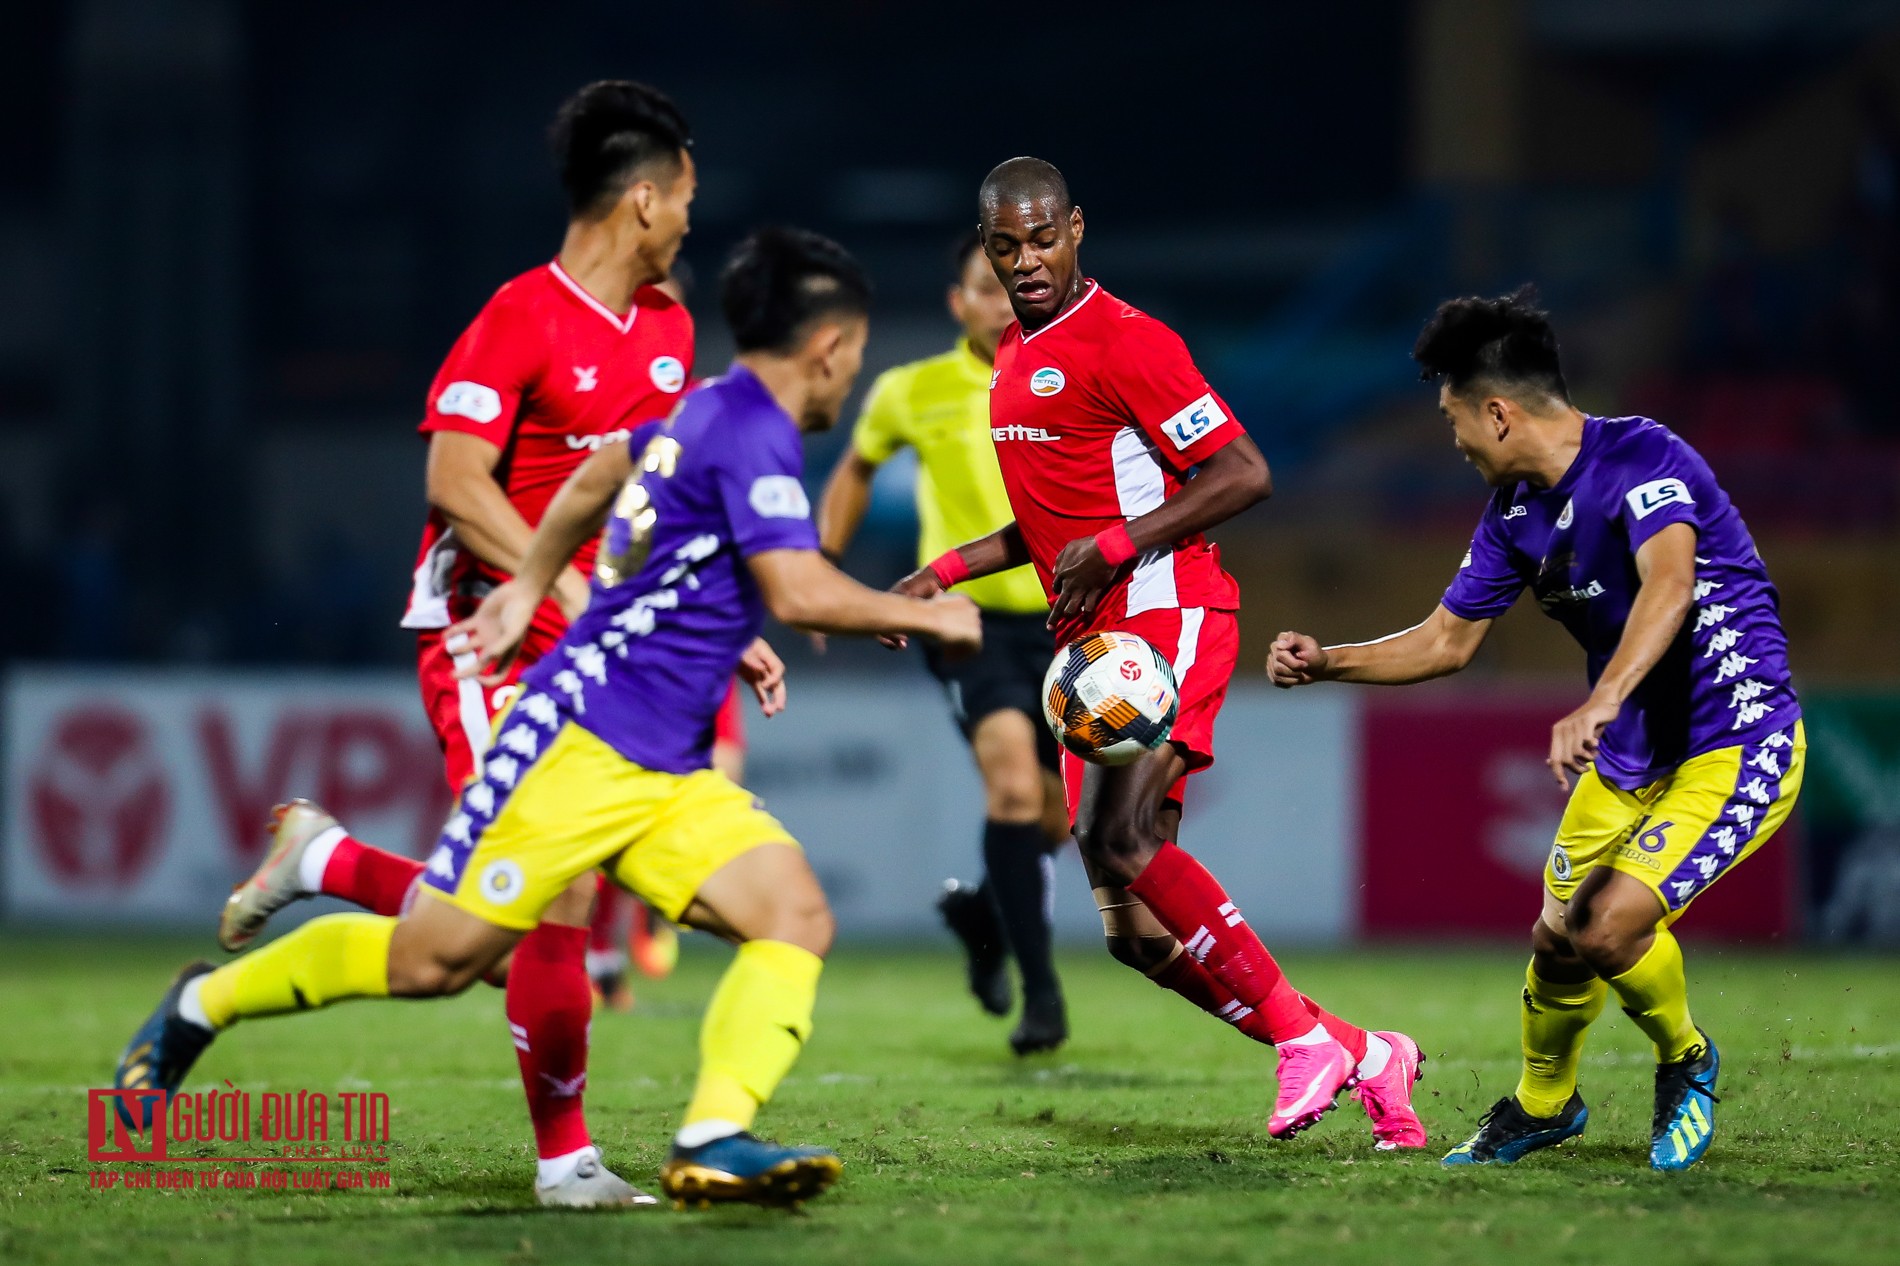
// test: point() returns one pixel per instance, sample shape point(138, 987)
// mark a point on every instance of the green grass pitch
point(1141, 1142)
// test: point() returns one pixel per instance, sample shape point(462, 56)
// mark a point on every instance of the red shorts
point(729, 725)
point(1203, 644)
point(461, 710)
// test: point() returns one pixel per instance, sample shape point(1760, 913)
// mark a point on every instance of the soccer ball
point(1109, 698)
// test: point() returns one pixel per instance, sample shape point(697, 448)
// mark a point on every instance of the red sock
point(549, 1009)
point(1190, 903)
point(1350, 1036)
point(1191, 980)
point(372, 878)
point(604, 935)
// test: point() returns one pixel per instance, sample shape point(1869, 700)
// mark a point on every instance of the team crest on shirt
point(586, 377)
point(1047, 381)
point(1568, 516)
point(667, 373)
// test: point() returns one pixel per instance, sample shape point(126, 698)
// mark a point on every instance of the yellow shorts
point(552, 802)
point(1682, 832)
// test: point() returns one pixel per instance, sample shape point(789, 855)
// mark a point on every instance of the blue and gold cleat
point(1507, 1134)
point(1684, 1123)
point(162, 1051)
point(742, 1168)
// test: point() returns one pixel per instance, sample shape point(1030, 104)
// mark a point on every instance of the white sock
point(316, 856)
point(1315, 1036)
point(700, 1133)
point(550, 1171)
point(606, 962)
point(1378, 1051)
point(191, 1007)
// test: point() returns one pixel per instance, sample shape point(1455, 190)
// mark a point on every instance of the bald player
point(940, 407)
point(1117, 456)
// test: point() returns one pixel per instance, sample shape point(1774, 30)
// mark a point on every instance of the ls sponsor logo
point(1196, 420)
point(469, 400)
point(1657, 493)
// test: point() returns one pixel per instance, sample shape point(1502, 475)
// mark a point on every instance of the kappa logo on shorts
point(501, 882)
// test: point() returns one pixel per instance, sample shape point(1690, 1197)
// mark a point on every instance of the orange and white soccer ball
point(1110, 698)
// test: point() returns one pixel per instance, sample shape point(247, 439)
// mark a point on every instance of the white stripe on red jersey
point(1097, 418)
point(547, 373)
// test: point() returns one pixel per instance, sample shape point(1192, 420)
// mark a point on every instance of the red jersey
point(548, 374)
point(1097, 418)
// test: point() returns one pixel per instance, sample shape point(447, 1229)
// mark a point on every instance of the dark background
point(236, 239)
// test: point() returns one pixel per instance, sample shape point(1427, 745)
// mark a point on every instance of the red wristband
point(1116, 545)
point(950, 569)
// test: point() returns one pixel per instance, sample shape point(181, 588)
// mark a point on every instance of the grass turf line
point(1140, 1142)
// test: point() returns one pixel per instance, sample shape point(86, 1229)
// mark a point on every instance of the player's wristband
point(1116, 545)
point(950, 569)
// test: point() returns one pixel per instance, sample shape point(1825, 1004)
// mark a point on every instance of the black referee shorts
point(1006, 673)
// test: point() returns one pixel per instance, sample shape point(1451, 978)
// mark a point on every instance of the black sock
point(1019, 884)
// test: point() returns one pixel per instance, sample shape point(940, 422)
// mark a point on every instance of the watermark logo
point(231, 1138)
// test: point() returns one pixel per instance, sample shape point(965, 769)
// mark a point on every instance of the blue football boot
point(742, 1167)
point(161, 1052)
point(1507, 1134)
point(1685, 1108)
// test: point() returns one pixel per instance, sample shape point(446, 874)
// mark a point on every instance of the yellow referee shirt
point(941, 408)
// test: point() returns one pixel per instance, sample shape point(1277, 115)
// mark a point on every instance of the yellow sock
point(1655, 994)
point(755, 1025)
point(326, 960)
point(1555, 1017)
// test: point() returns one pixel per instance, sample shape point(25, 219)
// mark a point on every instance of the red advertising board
point(1458, 813)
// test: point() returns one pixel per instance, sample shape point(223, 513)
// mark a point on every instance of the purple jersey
point(1725, 679)
point(674, 605)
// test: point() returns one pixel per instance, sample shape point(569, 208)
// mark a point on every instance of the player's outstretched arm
point(1441, 645)
point(1666, 566)
point(847, 496)
point(1230, 479)
point(805, 591)
point(985, 556)
point(577, 512)
point(461, 483)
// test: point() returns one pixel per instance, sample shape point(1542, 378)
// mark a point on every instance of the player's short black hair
point(1023, 180)
point(1507, 341)
point(607, 132)
point(968, 244)
point(778, 281)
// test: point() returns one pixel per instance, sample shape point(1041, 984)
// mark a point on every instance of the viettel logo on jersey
point(98, 796)
point(667, 373)
point(1047, 381)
